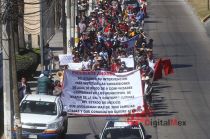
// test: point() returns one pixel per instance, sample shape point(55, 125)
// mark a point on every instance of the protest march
point(112, 68)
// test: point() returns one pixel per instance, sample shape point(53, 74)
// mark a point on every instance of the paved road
point(1, 94)
point(1, 72)
point(179, 35)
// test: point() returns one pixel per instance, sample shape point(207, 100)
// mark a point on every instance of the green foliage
point(27, 63)
point(36, 50)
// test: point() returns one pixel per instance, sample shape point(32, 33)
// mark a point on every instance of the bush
point(36, 50)
point(27, 63)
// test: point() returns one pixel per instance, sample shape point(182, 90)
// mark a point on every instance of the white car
point(123, 130)
point(42, 116)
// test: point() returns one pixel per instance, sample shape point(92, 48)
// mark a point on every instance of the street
point(1, 94)
point(1, 72)
point(178, 35)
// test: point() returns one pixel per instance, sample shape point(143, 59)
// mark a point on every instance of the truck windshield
point(38, 107)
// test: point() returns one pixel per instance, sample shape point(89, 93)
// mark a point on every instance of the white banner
point(75, 66)
point(64, 59)
point(129, 62)
point(102, 93)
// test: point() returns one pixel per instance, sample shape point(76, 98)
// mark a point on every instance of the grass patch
point(201, 7)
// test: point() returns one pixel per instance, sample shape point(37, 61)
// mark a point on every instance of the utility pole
point(63, 23)
point(72, 40)
point(6, 73)
point(41, 36)
point(17, 119)
point(68, 30)
point(76, 32)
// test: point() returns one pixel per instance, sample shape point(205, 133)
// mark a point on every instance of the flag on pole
point(158, 70)
point(167, 67)
point(131, 42)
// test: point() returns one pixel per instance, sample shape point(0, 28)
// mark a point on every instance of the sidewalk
point(56, 44)
point(207, 26)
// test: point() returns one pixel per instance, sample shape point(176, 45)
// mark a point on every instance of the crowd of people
point(106, 33)
point(112, 31)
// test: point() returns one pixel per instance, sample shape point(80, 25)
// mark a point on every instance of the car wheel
point(61, 136)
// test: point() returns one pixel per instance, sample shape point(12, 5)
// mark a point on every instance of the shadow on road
point(1, 113)
point(159, 104)
point(176, 66)
point(152, 21)
point(77, 136)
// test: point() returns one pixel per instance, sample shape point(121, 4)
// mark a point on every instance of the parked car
point(123, 130)
point(42, 116)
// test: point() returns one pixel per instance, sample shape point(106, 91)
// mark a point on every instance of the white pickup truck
point(42, 116)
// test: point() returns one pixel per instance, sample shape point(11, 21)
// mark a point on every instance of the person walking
point(23, 88)
point(48, 58)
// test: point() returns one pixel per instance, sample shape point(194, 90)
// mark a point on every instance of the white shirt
point(85, 65)
point(151, 63)
point(104, 55)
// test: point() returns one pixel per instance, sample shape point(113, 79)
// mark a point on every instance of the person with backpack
point(44, 86)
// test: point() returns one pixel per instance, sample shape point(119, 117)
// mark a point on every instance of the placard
point(102, 93)
point(64, 59)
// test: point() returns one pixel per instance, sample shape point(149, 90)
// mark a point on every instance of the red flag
point(158, 70)
point(106, 29)
point(168, 69)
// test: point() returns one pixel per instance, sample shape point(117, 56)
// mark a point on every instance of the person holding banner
point(85, 63)
point(150, 59)
point(123, 67)
point(97, 65)
point(115, 65)
point(57, 88)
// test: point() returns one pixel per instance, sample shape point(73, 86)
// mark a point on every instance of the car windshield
point(122, 133)
point(38, 107)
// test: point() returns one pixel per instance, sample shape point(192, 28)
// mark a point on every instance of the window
point(38, 107)
point(119, 133)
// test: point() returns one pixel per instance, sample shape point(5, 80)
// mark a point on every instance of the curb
point(205, 18)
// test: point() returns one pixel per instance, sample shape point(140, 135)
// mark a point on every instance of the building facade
point(51, 14)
